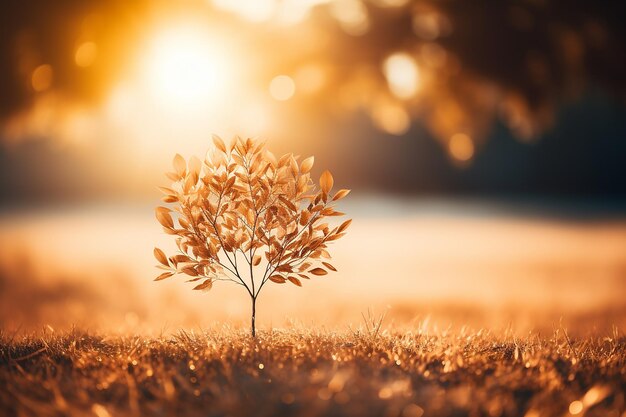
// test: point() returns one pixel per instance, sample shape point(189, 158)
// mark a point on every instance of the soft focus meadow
point(459, 263)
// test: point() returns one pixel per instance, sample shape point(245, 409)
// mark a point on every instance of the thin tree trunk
point(253, 316)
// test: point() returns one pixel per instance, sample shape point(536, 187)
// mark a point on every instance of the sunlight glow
point(185, 68)
point(251, 10)
point(259, 11)
point(402, 75)
point(352, 16)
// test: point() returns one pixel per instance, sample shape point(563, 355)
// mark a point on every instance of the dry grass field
point(370, 371)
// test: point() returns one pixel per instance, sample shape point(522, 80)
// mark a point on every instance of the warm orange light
point(391, 3)
point(184, 67)
point(252, 10)
point(575, 407)
point(391, 118)
point(86, 54)
point(461, 147)
point(402, 75)
point(310, 79)
point(351, 15)
point(41, 79)
point(282, 87)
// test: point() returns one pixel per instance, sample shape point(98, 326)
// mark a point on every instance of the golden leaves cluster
point(242, 201)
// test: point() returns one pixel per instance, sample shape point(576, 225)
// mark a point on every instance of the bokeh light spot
point(86, 54)
point(412, 410)
point(352, 16)
point(461, 147)
point(426, 26)
point(575, 407)
point(402, 75)
point(282, 87)
point(41, 79)
point(391, 118)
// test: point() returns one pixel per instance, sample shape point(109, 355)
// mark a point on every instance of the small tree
point(246, 217)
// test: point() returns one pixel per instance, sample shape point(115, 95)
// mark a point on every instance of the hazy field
point(456, 262)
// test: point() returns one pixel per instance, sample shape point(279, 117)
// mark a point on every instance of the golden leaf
point(160, 256)
point(164, 217)
point(341, 194)
point(206, 285)
point(184, 223)
point(256, 260)
point(288, 203)
point(176, 259)
point(305, 216)
point(179, 165)
point(307, 164)
point(190, 181)
point(318, 271)
point(271, 158)
point(326, 181)
point(219, 143)
point(295, 281)
point(344, 226)
point(195, 165)
point(329, 266)
point(172, 176)
point(164, 275)
point(190, 270)
point(277, 279)
point(334, 237)
point(293, 165)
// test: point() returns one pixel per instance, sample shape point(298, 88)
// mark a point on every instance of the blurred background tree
point(443, 97)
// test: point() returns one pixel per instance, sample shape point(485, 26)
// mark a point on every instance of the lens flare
point(185, 67)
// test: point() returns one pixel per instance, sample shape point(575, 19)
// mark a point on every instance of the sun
point(185, 66)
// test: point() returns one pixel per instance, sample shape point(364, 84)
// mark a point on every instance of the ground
point(306, 372)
